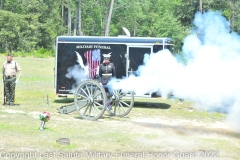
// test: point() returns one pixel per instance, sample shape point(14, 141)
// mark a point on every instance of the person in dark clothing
point(106, 70)
point(106, 73)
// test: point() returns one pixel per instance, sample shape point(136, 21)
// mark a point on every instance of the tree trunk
point(1, 4)
point(69, 17)
point(135, 29)
point(200, 6)
point(233, 22)
point(234, 11)
point(109, 19)
point(63, 17)
point(76, 20)
point(80, 17)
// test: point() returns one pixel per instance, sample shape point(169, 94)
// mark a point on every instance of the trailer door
point(135, 56)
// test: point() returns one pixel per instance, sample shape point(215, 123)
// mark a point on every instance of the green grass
point(153, 125)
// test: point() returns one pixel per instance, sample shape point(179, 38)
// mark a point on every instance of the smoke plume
point(77, 73)
point(210, 75)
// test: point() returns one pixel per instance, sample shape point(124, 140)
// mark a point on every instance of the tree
point(200, 6)
point(76, 20)
point(128, 13)
point(18, 34)
point(63, 17)
point(80, 17)
point(1, 4)
point(234, 15)
point(109, 18)
point(42, 21)
point(69, 17)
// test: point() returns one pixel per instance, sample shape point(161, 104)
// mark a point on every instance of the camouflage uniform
point(10, 70)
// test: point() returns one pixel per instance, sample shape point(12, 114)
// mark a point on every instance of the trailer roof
point(123, 40)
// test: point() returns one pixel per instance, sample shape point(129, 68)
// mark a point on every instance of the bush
point(20, 54)
point(43, 53)
point(40, 53)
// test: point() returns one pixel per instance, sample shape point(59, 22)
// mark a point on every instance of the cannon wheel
point(90, 100)
point(120, 104)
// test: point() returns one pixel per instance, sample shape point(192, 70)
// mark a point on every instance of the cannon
point(91, 100)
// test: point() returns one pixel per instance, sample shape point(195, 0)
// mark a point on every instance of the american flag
point(93, 60)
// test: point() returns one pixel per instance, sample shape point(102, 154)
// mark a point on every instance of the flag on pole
point(93, 59)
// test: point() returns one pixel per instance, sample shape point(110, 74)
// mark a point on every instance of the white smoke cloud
point(77, 73)
point(211, 75)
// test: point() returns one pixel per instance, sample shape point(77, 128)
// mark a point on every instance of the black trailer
point(77, 59)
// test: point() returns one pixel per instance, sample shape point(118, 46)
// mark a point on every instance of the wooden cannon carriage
point(91, 100)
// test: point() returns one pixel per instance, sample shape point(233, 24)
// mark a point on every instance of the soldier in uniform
point(106, 70)
point(10, 70)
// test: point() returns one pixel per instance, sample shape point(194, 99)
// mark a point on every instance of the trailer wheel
point(90, 100)
point(120, 103)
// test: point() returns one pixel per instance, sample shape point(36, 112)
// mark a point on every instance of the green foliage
point(181, 58)
point(20, 54)
point(29, 25)
point(40, 53)
point(227, 13)
point(18, 32)
point(43, 53)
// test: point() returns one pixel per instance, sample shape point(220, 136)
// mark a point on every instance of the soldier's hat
point(9, 54)
point(107, 56)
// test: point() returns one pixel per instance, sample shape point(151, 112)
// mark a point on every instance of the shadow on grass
point(189, 130)
point(105, 117)
point(152, 105)
point(138, 102)
point(11, 105)
point(99, 120)
point(64, 100)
